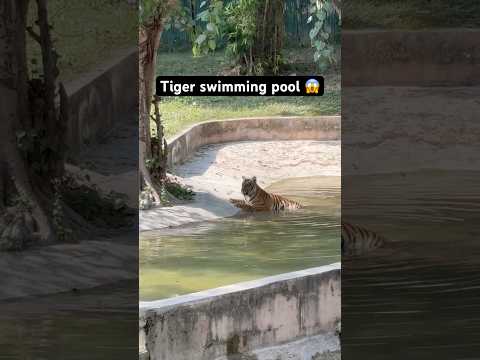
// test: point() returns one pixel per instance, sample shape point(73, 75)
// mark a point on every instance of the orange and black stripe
point(357, 239)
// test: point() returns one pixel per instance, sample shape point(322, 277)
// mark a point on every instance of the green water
point(246, 247)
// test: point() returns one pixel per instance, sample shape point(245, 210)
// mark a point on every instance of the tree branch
point(34, 35)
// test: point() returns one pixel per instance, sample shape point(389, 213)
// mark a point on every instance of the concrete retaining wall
point(242, 318)
point(100, 98)
point(411, 58)
point(253, 129)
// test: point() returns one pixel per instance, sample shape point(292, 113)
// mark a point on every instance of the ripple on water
point(421, 293)
point(70, 325)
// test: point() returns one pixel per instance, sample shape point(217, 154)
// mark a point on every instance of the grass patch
point(86, 32)
point(297, 60)
point(180, 113)
point(184, 64)
point(410, 14)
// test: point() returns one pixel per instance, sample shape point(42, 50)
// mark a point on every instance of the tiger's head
point(249, 187)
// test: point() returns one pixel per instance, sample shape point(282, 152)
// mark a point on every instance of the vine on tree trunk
point(153, 17)
point(159, 146)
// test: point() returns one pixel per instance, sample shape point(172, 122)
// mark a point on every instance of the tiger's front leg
point(241, 204)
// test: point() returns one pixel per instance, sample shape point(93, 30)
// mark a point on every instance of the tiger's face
point(249, 187)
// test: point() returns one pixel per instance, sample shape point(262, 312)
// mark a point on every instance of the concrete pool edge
point(207, 206)
point(398, 57)
point(184, 145)
point(254, 315)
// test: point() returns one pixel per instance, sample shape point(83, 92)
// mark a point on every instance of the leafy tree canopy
point(151, 9)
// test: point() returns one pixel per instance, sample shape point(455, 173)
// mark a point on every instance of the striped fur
point(357, 240)
point(257, 199)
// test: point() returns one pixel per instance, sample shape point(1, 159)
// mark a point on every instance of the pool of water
point(420, 295)
point(245, 247)
point(98, 324)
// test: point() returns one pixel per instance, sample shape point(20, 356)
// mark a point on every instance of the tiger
point(357, 240)
point(257, 199)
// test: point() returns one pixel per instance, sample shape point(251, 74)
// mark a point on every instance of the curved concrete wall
point(411, 58)
point(242, 318)
point(100, 98)
point(254, 129)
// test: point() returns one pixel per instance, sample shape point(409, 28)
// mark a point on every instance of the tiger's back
point(357, 240)
point(257, 199)
point(278, 203)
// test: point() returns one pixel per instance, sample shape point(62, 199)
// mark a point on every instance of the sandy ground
point(393, 129)
point(64, 267)
point(112, 164)
point(215, 174)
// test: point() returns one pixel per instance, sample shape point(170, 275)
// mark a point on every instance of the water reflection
point(245, 247)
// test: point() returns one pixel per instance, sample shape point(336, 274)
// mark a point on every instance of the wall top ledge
point(165, 304)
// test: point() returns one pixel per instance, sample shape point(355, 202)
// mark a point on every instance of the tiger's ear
point(254, 179)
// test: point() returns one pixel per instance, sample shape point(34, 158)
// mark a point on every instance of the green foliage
point(240, 29)
point(179, 191)
point(21, 202)
point(103, 210)
point(236, 23)
point(181, 20)
point(168, 188)
point(321, 35)
point(36, 149)
point(148, 9)
point(153, 165)
point(210, 24)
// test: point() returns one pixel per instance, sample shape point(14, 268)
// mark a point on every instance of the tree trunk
point(55, 124)
point(337, 5)
point(269, 35)
point(3, 185)
point(193, 16)
point(14, 107)
point(162, 146)
point(149, 42)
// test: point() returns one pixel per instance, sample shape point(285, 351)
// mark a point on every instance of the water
point(420, 295)
point(245, 247)
point(98, 324)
